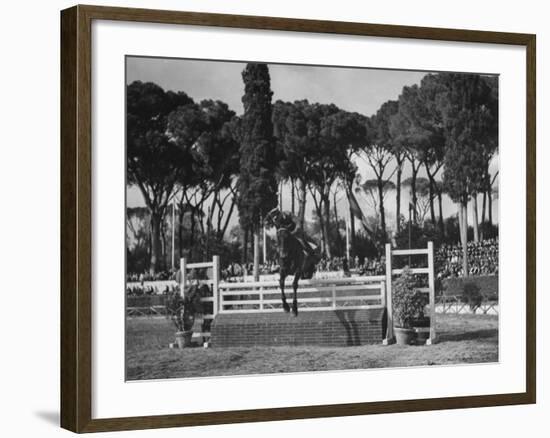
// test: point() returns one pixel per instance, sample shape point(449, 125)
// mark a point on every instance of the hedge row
point(487, 284)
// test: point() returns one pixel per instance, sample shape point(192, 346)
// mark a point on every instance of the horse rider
point(285, 220)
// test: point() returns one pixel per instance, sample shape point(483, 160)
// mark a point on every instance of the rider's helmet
point(274, 217)
point(280, 219)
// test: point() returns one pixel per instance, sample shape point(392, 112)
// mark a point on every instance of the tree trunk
point(192, 235)
point(326, 207)
point(464, 238)
point(318, 208)
point(256, 269)
point(156, 219)
point(381, 208)
point(245, 246)
point(150, 241)
point(483, 207)
point(432, 209)
point(208, 228)
point(228, 218)
point(483, 211)
point(413, 191)
point(398, 199)
point(302, 205)
point(490, 206)
point(431, 193)
point(180, 232)
point(475, 219)
point(460, 223)
point(351, 232)
point(163, 245)
point(292, 200)
point(440, 204)
point(337, 224)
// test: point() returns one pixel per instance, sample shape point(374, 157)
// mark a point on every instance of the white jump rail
point(350, 293)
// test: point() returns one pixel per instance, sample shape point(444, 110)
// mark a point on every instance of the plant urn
point(422, 335)
point(184, 338)
point(404, 336)
point(421, 327)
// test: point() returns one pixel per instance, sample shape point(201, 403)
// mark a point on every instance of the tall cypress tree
point(257, 186)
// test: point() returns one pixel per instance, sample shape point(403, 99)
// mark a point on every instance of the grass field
point(461, 339)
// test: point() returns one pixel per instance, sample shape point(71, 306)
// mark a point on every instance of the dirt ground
point(461, 339)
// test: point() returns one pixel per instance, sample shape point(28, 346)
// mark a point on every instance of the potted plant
point(184, 310)
point(408, 304)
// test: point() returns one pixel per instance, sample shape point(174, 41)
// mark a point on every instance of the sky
point(352, 89)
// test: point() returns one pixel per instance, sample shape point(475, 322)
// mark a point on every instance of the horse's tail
point(310, 265)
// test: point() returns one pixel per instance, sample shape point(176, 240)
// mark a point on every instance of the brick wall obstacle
point(332, 312)
point(335, 328)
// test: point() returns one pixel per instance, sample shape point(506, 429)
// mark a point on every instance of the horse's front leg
point(295, 296)
point(282, 277)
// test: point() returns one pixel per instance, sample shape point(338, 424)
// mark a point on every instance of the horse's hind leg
point(295, 297)
point(286, 307)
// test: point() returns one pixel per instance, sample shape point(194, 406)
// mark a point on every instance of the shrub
point(472, 295)
point(408, 301)
point(488, 286)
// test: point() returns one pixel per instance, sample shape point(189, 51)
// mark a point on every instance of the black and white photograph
point(275, 219)
point(285, 218)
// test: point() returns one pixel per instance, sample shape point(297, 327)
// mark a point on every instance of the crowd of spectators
point(333, 264)
point(138, 290)
point(482, 259)
point(146, 276)
point(372, 266)
point(236, 271)
point(136, 283)
point(239, 271)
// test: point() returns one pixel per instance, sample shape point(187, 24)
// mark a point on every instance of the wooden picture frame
point(76, 218)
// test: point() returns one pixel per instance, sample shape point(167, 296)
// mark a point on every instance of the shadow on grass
point(469, 336)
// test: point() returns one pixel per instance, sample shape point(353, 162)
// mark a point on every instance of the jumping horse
point(293, 259)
